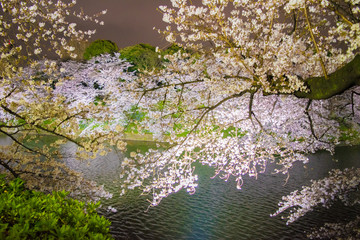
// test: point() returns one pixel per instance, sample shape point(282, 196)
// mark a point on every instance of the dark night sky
point(127, 22)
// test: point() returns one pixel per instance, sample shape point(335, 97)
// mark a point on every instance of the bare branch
point(21, 144)
point(169, 85)
point(5, 165)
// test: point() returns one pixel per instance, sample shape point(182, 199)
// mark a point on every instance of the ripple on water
point(219, 211)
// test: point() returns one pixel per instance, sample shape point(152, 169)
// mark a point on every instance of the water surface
point(217, 210)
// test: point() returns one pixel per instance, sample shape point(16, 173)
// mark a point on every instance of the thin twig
point(315, 44)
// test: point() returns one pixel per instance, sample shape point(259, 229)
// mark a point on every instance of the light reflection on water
point(217, 210)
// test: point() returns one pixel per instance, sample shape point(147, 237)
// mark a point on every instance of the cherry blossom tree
point(258, 83)
point(254, 83)
point(45, 104)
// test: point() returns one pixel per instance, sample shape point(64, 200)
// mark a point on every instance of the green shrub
point(173, 49)
point(26, 214)
point(142, 56)
point(99, 47)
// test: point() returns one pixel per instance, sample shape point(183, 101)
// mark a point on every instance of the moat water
point(217, 210)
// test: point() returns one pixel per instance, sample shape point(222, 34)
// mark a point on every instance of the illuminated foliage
point(44, 103)
point(261, 82)
point(100, 47)
point(26, 214)
point(255, 83)
point(142, 56)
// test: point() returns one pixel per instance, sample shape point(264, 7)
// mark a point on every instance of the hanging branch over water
point(281, 76)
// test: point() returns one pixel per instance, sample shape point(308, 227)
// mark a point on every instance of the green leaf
point(232, 132)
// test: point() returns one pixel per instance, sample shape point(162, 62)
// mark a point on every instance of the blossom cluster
point(338, 186)
point(240, 137)
point(225, 99)
point(45, 104)
point(29, 29)
point(58, 98)
point(272, 44)
point(338, 231)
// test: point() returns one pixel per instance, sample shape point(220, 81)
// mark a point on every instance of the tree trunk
point(336, 83)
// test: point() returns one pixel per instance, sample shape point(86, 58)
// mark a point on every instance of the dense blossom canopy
point(50, 102)
point(228, 98)
point(229, 101)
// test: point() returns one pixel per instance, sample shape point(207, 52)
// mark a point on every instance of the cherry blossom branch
point(336, 7)
point(314, 42)
point(168, 85)
point(5, 165)
point(217, 105)
point(21, 144)
point(321, 192)
point(9, 94)
point(42, 128)
point(69, 118)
